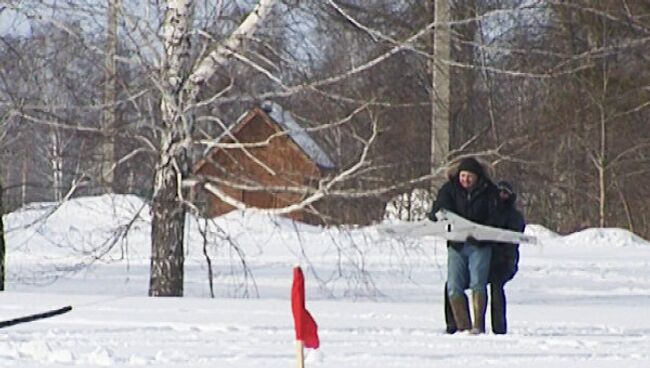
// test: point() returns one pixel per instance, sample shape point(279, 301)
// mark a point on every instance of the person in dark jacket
point(504, 260)
point(468, 193)
point(505, 256)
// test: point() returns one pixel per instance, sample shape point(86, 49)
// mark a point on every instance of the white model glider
point(452, 227)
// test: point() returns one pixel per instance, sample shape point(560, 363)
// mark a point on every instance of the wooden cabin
point(269, 150)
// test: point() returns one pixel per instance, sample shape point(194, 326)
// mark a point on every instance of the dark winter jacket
point(473, 205)
point(505, 256)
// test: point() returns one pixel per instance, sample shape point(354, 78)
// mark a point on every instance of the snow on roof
point(289, 125)
point(298, 134)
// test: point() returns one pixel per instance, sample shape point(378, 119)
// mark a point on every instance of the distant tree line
point(112, 96)
point(555, 94)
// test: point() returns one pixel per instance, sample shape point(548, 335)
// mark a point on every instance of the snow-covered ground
point(578, 301)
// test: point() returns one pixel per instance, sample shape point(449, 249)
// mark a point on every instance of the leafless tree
point(554, 93)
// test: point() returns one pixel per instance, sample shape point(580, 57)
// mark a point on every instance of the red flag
point(306, 328)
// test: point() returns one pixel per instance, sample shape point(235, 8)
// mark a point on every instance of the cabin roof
point(273, 112)
point(298, 134)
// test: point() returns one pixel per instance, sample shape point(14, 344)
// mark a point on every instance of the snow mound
point(602, 237)
point(85, 225)
point(245, 220)
point(540, 232)
point(118, 226)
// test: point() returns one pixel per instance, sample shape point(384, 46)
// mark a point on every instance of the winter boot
point(498, 309)
point(450, 322)
point(479, 304)
point(460, 309)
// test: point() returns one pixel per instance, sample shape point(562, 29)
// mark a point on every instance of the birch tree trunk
point(110, 90)
point(440, 85)
point(602, 161)
point(56, 160)
point(167, 228)
point(24, 174)
point(3, 248)
point(180, 91)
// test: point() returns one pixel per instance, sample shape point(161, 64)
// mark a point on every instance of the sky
point(579, 300)
point(12, 22)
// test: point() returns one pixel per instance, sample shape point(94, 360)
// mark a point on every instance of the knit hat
point(505, 186)
point(470, 164)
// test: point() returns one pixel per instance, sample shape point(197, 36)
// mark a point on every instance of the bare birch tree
point(361, 71)
point(3, 245)
point(440, 80)
point(109, 114)
point(181, 86)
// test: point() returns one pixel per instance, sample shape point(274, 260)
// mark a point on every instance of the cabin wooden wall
point(280, 162)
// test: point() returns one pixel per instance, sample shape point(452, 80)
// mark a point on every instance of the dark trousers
point(497, 310)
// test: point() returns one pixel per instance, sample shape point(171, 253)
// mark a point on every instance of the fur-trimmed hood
point(452, 169)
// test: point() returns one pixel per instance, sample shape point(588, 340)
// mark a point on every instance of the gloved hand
point(471, 240)
point(432, 216)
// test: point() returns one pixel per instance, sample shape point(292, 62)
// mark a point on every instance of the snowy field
point(578, 301)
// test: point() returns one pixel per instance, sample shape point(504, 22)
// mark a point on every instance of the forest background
point(124, 96)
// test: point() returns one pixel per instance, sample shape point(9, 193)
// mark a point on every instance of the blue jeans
point(468, 268)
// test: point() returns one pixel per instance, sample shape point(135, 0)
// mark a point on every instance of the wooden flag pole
point(300, 353)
